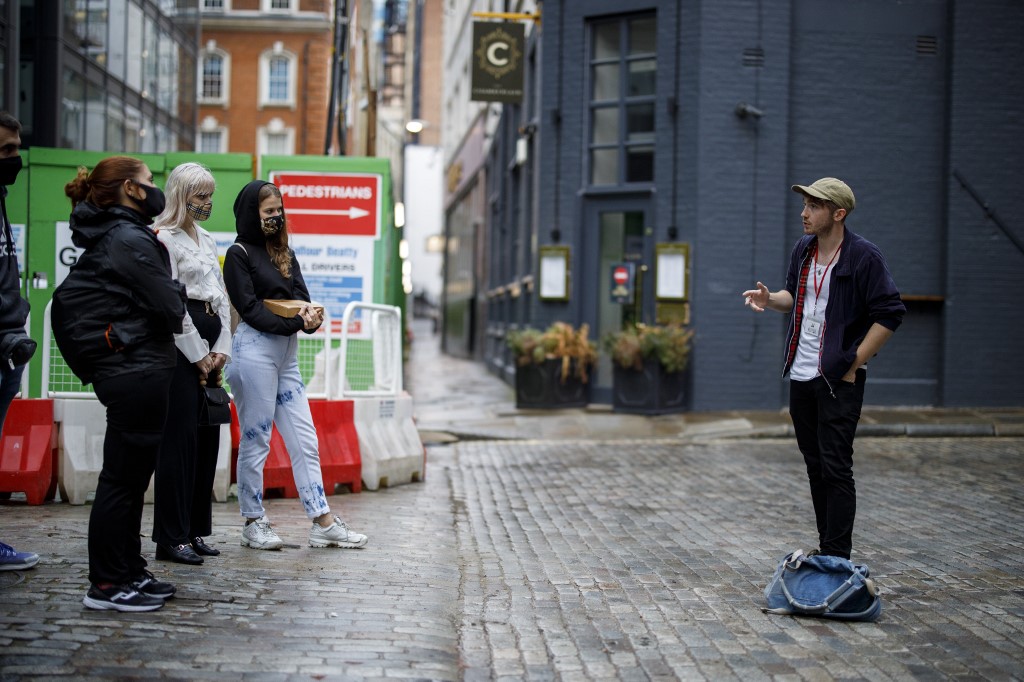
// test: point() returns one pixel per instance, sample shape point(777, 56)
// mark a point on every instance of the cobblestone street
point(562, 560)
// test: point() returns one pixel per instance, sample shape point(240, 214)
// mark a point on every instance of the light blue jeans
point(268, 391)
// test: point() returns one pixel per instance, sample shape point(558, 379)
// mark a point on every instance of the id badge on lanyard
point(815, 325)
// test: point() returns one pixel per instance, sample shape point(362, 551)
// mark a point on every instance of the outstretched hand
point(757, 299)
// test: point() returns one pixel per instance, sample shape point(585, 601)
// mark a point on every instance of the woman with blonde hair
point(264, 371)
point(114, 318)
point(188, 452)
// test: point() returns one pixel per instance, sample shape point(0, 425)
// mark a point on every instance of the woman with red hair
point(114, 318)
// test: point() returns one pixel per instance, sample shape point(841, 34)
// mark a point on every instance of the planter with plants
point(648, 368)
point(553, 366)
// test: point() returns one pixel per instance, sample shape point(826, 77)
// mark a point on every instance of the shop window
point(622, 80)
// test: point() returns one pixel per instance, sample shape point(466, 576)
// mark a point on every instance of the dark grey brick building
point(685, 122)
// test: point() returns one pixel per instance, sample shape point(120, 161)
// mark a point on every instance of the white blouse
point(198, 268)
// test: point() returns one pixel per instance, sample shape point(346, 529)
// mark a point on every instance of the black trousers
point(187, 462)
point(136, 410)
point(825, 420)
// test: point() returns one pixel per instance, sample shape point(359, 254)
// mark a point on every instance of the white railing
point(58, 380)
point(370, 355)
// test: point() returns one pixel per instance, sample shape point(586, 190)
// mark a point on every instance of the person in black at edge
point(114, 317)
point(16, 348)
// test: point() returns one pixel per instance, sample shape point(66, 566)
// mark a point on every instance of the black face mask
point(272, 225)
point(9, 169)
point(153, 204)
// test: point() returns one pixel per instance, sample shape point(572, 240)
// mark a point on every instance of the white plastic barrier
point(369, 373)
point(82, 424)
point(389, 444)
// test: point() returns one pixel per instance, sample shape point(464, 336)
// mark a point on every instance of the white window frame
point(224, 99)
point(223, 147)
point(265, 6)
point(275, 128)
point(277, 52)
point(225, 8)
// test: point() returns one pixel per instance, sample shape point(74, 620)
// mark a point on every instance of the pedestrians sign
point(331, 203)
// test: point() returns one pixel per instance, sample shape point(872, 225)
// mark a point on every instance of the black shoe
point(150, 586)
point(183, 554)
point(121, 598)
point(200, 546)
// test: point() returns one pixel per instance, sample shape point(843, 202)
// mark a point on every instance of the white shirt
point(808, 347)
point(198, 268)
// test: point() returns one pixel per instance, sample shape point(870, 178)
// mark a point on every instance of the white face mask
point(199, 212)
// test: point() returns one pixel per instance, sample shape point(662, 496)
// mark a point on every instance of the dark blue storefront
point(653, 123)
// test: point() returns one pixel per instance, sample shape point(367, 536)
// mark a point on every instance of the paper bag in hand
point(289, 308)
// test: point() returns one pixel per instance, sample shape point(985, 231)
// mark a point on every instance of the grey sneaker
point(259, 535)
point(336, 535)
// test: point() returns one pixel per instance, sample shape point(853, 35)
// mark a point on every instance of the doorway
point(615, 235)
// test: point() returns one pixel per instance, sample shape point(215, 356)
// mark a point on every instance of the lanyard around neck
point(814, 273)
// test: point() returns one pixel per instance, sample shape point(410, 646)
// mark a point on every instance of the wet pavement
point(570, 545)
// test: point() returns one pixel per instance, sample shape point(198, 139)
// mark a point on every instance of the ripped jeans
point(268, 391)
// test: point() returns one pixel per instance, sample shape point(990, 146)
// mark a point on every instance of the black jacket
point(118, 309)
point(250, 276)
point(13, 308)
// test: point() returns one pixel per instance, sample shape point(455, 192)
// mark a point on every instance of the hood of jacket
point(247, 214)
point(89, 223)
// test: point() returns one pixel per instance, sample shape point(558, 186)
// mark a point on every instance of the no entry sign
point(620, 274)
point(331, 203)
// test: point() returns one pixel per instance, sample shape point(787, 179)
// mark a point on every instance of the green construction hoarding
point(340, 220)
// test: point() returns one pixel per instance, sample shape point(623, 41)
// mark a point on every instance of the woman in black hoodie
point(113, 318)
point(264, 370)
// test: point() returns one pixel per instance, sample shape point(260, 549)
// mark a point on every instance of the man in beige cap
point(844, 306)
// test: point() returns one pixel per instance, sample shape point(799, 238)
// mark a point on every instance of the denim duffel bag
point(823, 586)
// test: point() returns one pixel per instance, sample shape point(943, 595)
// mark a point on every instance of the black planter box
point(541, 386)
point(648, 391)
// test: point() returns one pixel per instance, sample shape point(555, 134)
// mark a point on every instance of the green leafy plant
point(560, 341)
point(670, 344)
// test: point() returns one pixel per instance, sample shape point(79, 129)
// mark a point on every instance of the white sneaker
point(336, 535)
point(259, 535)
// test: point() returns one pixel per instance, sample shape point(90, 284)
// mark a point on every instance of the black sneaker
point(152, 587)
point(120, 598)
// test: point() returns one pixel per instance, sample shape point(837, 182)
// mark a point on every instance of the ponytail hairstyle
point(277, 245)
point(184, 181)
point(101, 188)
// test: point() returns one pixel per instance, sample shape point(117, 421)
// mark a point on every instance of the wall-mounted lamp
point(415, 126)
point(673, 232)
point(743, 110)
point(556, 235)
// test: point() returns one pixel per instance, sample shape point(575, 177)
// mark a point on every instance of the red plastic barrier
point(340, 460)
point(277, 472)
point(337, 441)
point(28, 451)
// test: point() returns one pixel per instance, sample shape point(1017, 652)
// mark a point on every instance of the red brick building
point(264, 76)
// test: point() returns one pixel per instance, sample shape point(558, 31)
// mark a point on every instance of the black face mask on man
point(9, 169)
point(153, 204)
point(272, 225)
